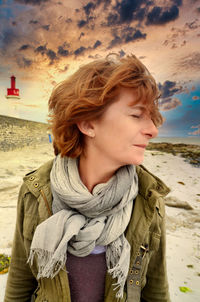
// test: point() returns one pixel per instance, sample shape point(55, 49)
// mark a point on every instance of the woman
point(91, 223)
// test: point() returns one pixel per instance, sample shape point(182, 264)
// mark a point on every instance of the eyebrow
point(140, 107)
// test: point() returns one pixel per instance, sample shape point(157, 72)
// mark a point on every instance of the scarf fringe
point(116, 272)
point(48, 266)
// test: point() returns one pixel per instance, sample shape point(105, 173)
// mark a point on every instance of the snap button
point(137, 282)
point(149, 194)
point(131, 281)
point(131, 272)
point(158, 187)
point(36, 184)
point(32, 178)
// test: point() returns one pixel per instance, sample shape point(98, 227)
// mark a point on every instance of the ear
point(86, 128)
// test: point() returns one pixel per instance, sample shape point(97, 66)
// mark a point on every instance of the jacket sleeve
point(156, 288)
point(21, 283)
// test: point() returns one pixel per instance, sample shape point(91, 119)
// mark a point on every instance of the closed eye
point(136, 116)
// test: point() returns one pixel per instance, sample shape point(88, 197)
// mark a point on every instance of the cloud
point(33, 22)
point(41, 49)
point(169, 88)
point(121, 53)
point(62, 52)
point(191, 61)
point(130, 10)
point(195, 98)
point(169, 104)
point(82, 23)
point(51, 55)
point(24, 62)
point(134, 34)
point(24, 47)
point(97, 44)
point(31, 2)
point(196, 132)
point(79, 51)
point(116, 41)
point(88, 7)
point(159, 15)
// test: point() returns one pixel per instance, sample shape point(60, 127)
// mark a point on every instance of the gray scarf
point(83, 220)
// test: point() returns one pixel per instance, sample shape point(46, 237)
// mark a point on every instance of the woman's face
point(123, 132)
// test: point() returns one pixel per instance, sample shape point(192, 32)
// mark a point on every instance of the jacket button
point(137, 282)
point(131, 281)
point(36, 184)
point(32, 178)
point(136, 272)
point(149, 194)
point(131, 272)
point(158, 188)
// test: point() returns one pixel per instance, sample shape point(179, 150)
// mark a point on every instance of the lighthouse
point(12, 92)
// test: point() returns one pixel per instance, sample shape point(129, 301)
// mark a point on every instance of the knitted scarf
point(82, 220)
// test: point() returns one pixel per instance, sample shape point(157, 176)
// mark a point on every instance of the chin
point(136, 161)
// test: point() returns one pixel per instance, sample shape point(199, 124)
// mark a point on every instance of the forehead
point(132, 98)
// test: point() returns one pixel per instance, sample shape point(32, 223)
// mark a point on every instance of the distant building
point(12, 92)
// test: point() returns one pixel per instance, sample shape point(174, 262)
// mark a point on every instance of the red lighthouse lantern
point(13, 92)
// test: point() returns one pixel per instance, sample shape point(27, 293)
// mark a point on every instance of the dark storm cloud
point(41, 49)
point(24, 47)
point(31, 2)
point(112, 19)
point(33, 22)
point(46, 27)
point(169, 88)
point(63, 52)
point(79, 51)
point(127, 8)
point(116, 41)
point(51, 54)
point(96, 44)
point(159, 15)
point(137, 35)
point(178, 2)
point(88, 7)
point(82, 23)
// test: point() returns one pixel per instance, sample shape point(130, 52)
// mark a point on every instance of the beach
point(182, 211)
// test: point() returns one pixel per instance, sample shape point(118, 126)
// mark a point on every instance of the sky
point(42, 42)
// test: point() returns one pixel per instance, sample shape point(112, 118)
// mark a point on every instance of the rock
point(174, 202)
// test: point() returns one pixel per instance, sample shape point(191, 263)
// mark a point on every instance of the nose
point(150, 130)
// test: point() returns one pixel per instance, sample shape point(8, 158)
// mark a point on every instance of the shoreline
point(190, 152)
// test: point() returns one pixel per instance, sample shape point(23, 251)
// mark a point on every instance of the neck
point(93, 171)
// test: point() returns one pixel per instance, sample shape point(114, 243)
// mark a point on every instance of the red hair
point(87, 93)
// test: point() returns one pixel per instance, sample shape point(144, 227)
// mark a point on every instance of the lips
point(141, 146)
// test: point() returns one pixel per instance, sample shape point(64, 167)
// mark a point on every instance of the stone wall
point(17, 133)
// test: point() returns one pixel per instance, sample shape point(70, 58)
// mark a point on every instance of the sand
point(183, 226)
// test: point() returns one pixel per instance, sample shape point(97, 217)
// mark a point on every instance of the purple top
point(86, 277)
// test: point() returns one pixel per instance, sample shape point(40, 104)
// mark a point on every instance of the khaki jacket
point(147, 278)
